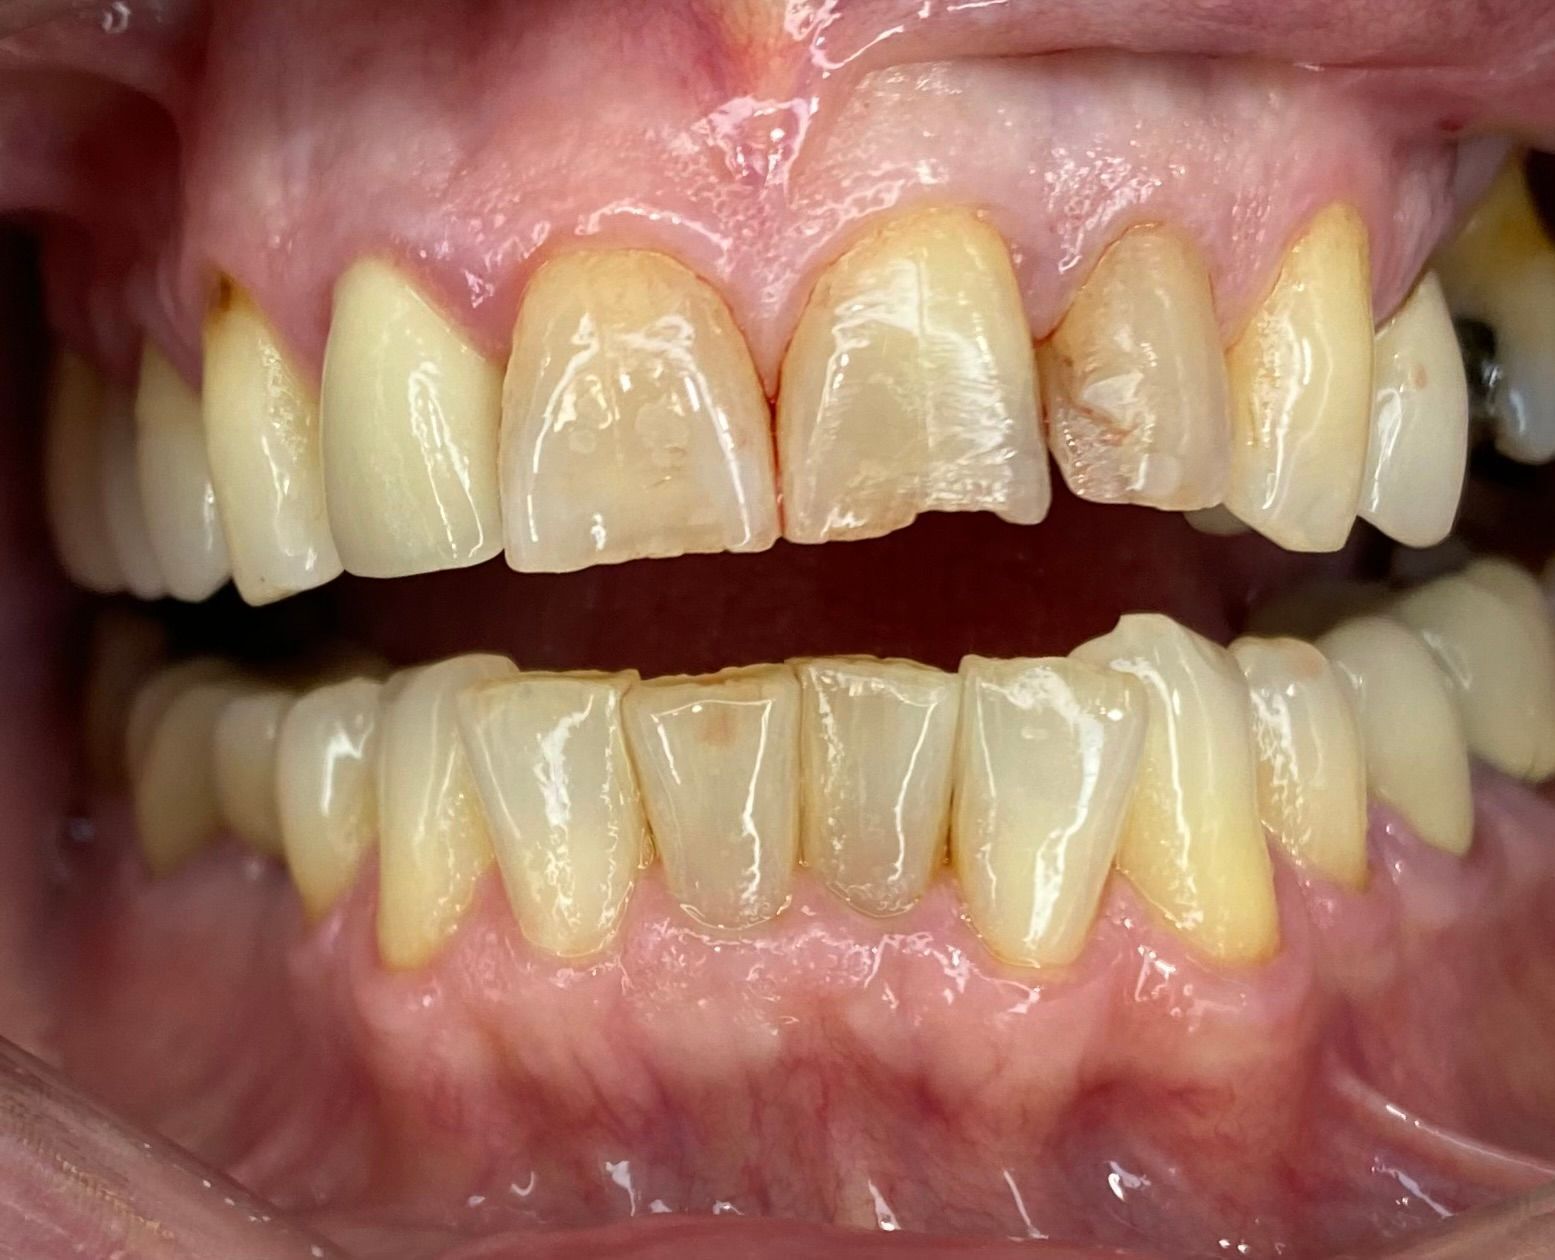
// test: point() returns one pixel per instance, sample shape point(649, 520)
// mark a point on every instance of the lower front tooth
point(124, 509)
point(433, 841)
point(244, 752)
point(1193, 844)
point(877, 739)
point(1417, 759)
point(1049, 751)
point(326, 786)
point(717, 759)
point(175, 482)
point(551, 766)
point(1491, 634)
point(73, 487)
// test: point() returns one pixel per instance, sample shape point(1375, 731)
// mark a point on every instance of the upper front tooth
point(175, 482)
point(244, 755)
point(1501, 271)
point(124, 508)
point(1419, 422)
point(1311, 763)
point(876, 744)
point(1417, 759)
point(433, 842)
point(73, 471)
point(262, 435)
point(1301, 391)
point(1490, 632)
point(1193, 844)
point(410, 412)
point(718, 761)
point(633, 421)
point(909, 386)
point(1049, 752)
point(551, 766)
point(1135, 380)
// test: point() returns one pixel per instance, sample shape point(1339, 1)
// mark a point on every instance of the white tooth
point(910, 386)
point(73, 467)
point(1417, 758)
point(175, 482)
point(1491, 634)
point(1311, 763)
point(262, 436)
point(326, 788)
point(1419, 422)
point(410, 412)
point(633, 422)
point(123, 508)
point(1048, 757)
point(1501, 271)
point(433, 842)
point(1193, 844)
point(549, 756)
point(245, 745)
point(127, 648)
point(717, 759)
point(877, 739)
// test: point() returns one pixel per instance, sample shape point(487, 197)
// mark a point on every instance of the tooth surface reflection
point(717, 759)
point(877, 739)
point(1048, 754)
point(550, 762)
point(72, 475)
point(244, 752)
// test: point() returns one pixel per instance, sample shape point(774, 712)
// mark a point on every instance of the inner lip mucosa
point(809, 620)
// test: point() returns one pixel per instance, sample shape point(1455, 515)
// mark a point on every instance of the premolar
point(73, 475)
point(877, 739)
point(1134, 379)
point(244, 752)
point(410, 414)
point(633, 422)
point(909, 386)
point(124, 509)
point(1048, 755)
point(1301, 391)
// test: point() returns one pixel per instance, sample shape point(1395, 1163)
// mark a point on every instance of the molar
point(326, 761)
point(550, 763)
point(717, 759)
point(909, 386)
point(1311, 762)
point(633, 422)
point(175, 482)
point(876, 745)
point(1134, 379)
point(262, 436)
point(1193, 844)
point(1048, 755)
point(1417, 757)
point(1490, 632)
point(245, 764)
point(124, 510)
point(409, 421)
point(1301, 391)
point(1419, 422)
point(73, 476)
point(433, 841)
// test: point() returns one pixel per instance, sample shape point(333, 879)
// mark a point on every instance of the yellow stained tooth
point(1417, 759)
point(877, 740)
point(1134, 379)
point(433, 840)
point(73, 470)
point(158, 691)
point(1301, 391)
point(326, 764)
point(245, 759)
point(633, 423)
point(1490, 632)
point(175, 482)
point(1419, 441)
point(410, 414)
point(550, 761)
point(1311, 761)
point(1048, 757)
point(262, 436)
point(123, 508)
point(717, 760)
point(1217, 522)
point(1193, 844)
point(909, 386)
